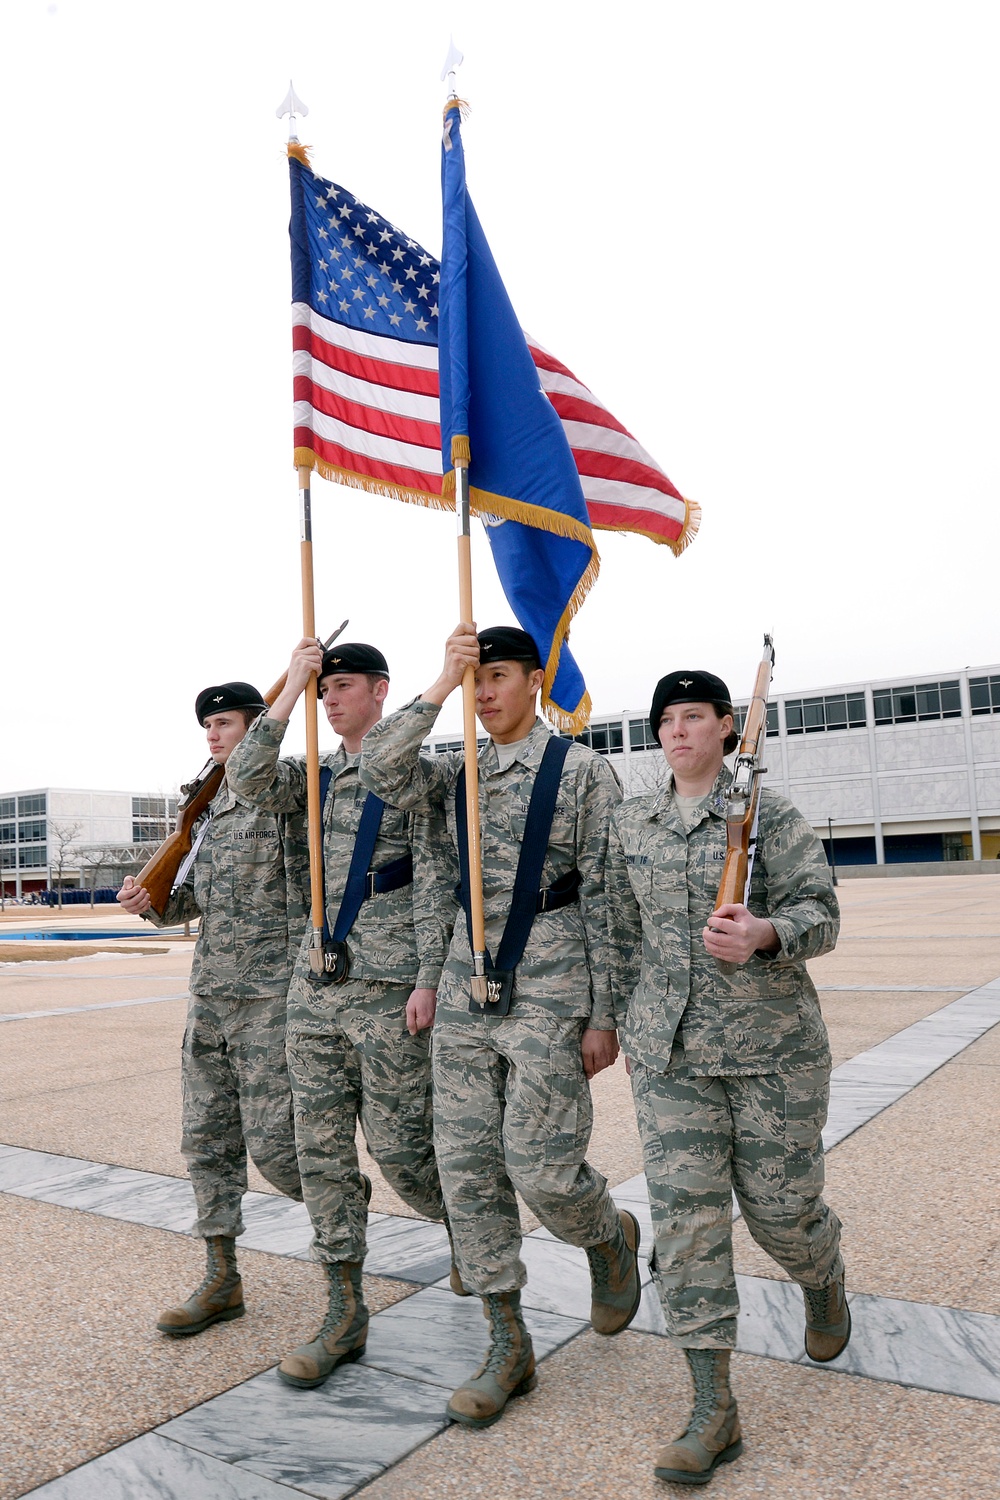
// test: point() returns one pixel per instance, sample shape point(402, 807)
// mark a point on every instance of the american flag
point(364, 313)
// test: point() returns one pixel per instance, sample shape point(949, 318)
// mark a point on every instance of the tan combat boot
point(508, 1369)
point(712, 1435)
point(828, 1321)
point(614, 1278)
point(219, 1299)
point(343, 1335)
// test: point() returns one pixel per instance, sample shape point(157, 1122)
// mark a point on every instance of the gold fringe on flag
point(678, 544)
point(460, 451)
point(483, 503)
point(301, 153)
point(306, 458)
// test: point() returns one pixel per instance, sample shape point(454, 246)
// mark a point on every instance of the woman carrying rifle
point(728, 1053)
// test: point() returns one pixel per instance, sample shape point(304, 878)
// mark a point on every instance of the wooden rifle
point(744, 796)
point(159, 872)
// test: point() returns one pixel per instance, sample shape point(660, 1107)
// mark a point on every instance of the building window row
point(8, 833)
point(604, 736)
point(985, 694)
point(33, 858)
point(149, 832)
point(907, 704)
point(911, 705)
point(447, 745)
point(742, 709)
point(28, 807)
point(153, 807)
point(31, 833)
point(834, 711)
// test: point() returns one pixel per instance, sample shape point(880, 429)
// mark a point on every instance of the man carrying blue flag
point(512, 1106)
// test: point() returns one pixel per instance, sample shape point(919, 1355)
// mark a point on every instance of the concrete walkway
point(95, 1207)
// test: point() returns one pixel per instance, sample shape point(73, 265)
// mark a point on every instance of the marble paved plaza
point(95, 1209)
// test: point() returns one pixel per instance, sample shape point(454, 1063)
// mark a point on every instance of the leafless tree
point(646, 773)
point(61, 837)
point(93, 859)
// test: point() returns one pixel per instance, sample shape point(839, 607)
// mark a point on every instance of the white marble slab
point(22, 1171)
point(931, 1348)
point(891, 989)
point(865, 1085)
point(770, 1321)
point(276, 1224)
point(910, 1343)
point(559, 1276)
point(439, 1338)
point(76, 1010)
point(117, 1193)
point(154, 1468)
point(410, 1249)
point(325, 1441)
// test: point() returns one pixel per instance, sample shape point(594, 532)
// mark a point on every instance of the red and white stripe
point(625, 489)
point(367, 405)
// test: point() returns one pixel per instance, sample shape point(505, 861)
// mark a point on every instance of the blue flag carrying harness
point(362, 883)
point(527, 900)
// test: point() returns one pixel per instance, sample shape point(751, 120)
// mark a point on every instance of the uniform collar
point(225, 798)
point(338, 761)
point(664, 808)
point(530, 753)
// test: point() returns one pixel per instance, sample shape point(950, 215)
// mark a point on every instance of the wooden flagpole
point(480, 988)
point(291, 106)
point(316, 958)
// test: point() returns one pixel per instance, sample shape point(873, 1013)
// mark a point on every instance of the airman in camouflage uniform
point(730, 1070)
point(359, 1048)
point(247, 884)
point(512, 1108)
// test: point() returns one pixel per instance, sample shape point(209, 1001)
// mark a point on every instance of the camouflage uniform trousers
point(512, 1111)
point(235, 1098)
point(703, 1138)
point(351, 1057)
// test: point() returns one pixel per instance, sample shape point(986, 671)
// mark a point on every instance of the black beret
point(227, 695)
point(507, 643)
point(355, 656)
point(687, 687)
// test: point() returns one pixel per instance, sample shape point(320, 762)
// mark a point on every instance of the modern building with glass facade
point(906, 772)
point(52, 836)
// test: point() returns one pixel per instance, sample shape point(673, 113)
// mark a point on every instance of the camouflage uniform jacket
point(662, 887)
point(249, 884)
point(400, 937)
point(565, 963)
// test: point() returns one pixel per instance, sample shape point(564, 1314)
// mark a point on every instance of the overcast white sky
point(765, 235)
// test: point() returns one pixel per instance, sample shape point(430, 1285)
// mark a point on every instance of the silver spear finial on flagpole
point(291, 106)
point(452, 63)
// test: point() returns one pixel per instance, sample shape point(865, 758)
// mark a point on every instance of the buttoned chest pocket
point(259, 897)
point(663, 882)
point(704, 871)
